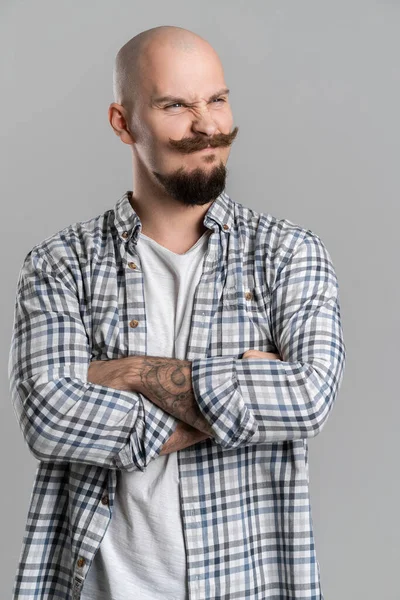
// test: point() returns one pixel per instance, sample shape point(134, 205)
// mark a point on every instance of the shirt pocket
point(249, 307)
point(230, 297)
point(255, 299)
point(258, 300)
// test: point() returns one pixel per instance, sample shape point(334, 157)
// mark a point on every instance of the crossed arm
point(166, 382)
point(72, 410)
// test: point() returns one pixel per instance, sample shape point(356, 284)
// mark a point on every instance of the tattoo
point(168, 383)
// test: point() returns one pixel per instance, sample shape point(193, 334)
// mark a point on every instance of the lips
point(208, 149)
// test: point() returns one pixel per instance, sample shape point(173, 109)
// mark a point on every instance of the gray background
point(315, 91)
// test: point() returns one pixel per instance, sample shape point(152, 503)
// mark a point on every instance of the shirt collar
point(128, 223)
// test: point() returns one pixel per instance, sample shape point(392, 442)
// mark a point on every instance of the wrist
point(133, 373)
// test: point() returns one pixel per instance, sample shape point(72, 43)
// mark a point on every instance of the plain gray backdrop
point(315, 91)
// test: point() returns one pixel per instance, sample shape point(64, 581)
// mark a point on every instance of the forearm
point(122, 374)
point(168, 383)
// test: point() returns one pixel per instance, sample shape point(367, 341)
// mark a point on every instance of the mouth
point(208, 149)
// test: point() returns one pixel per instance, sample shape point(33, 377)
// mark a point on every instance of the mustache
point(188, 145)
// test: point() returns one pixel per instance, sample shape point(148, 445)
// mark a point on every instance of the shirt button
point(104, 499)
point(125, 235)
point(133, 323)
point(248, 295)
point(225, 226)
point(81, 562)
point(131, 265)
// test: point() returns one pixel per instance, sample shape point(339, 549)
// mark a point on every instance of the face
point(182, 124)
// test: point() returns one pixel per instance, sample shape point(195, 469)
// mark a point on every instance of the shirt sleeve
point(63, 417)
point(257, 400)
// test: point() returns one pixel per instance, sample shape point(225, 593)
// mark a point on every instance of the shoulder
point(68, 250)
point(279, 240)
point(280, 236)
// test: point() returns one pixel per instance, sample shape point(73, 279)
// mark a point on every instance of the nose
point(203, 123)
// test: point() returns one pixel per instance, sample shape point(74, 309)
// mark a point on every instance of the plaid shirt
point(267, 284)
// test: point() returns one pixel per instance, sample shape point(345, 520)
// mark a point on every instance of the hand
point(259, 354)
point(184, 435)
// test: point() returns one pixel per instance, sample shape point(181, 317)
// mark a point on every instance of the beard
point(196, 187)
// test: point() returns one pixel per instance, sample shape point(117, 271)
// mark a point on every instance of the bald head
point(135, 63)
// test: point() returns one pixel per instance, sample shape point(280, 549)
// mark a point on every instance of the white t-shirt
point(142, 554)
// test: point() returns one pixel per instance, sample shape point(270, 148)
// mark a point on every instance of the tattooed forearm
point(168, 383)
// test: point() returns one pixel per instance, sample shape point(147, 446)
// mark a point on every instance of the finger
point(260, 354)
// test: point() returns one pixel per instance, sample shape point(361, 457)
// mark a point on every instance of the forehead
point(189, 75)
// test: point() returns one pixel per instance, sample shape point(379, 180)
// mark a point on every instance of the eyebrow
point(173, 99)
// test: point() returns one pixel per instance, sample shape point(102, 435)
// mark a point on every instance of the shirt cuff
point(217, 392)
point(153, 428)
point(159, 426)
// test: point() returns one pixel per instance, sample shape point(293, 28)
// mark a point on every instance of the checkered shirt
point(267, 284)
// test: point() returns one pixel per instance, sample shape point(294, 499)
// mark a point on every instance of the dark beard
point(195, 188)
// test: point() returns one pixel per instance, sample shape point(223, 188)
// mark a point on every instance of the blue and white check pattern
point(267, 284)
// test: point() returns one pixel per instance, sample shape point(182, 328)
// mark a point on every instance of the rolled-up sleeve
point(257, 400)
point(63, 417)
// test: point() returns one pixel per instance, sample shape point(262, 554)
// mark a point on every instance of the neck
point(164, 218)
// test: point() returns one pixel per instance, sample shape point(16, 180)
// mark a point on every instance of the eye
point(181, 104)
point(175, 104)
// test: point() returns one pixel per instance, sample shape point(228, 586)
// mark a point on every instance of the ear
point(118, 121)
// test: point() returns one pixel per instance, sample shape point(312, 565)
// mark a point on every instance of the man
point(170, 359)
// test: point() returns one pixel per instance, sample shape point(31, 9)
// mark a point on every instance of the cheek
point(229, 120)
point(175, 128)
point(224, 121)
